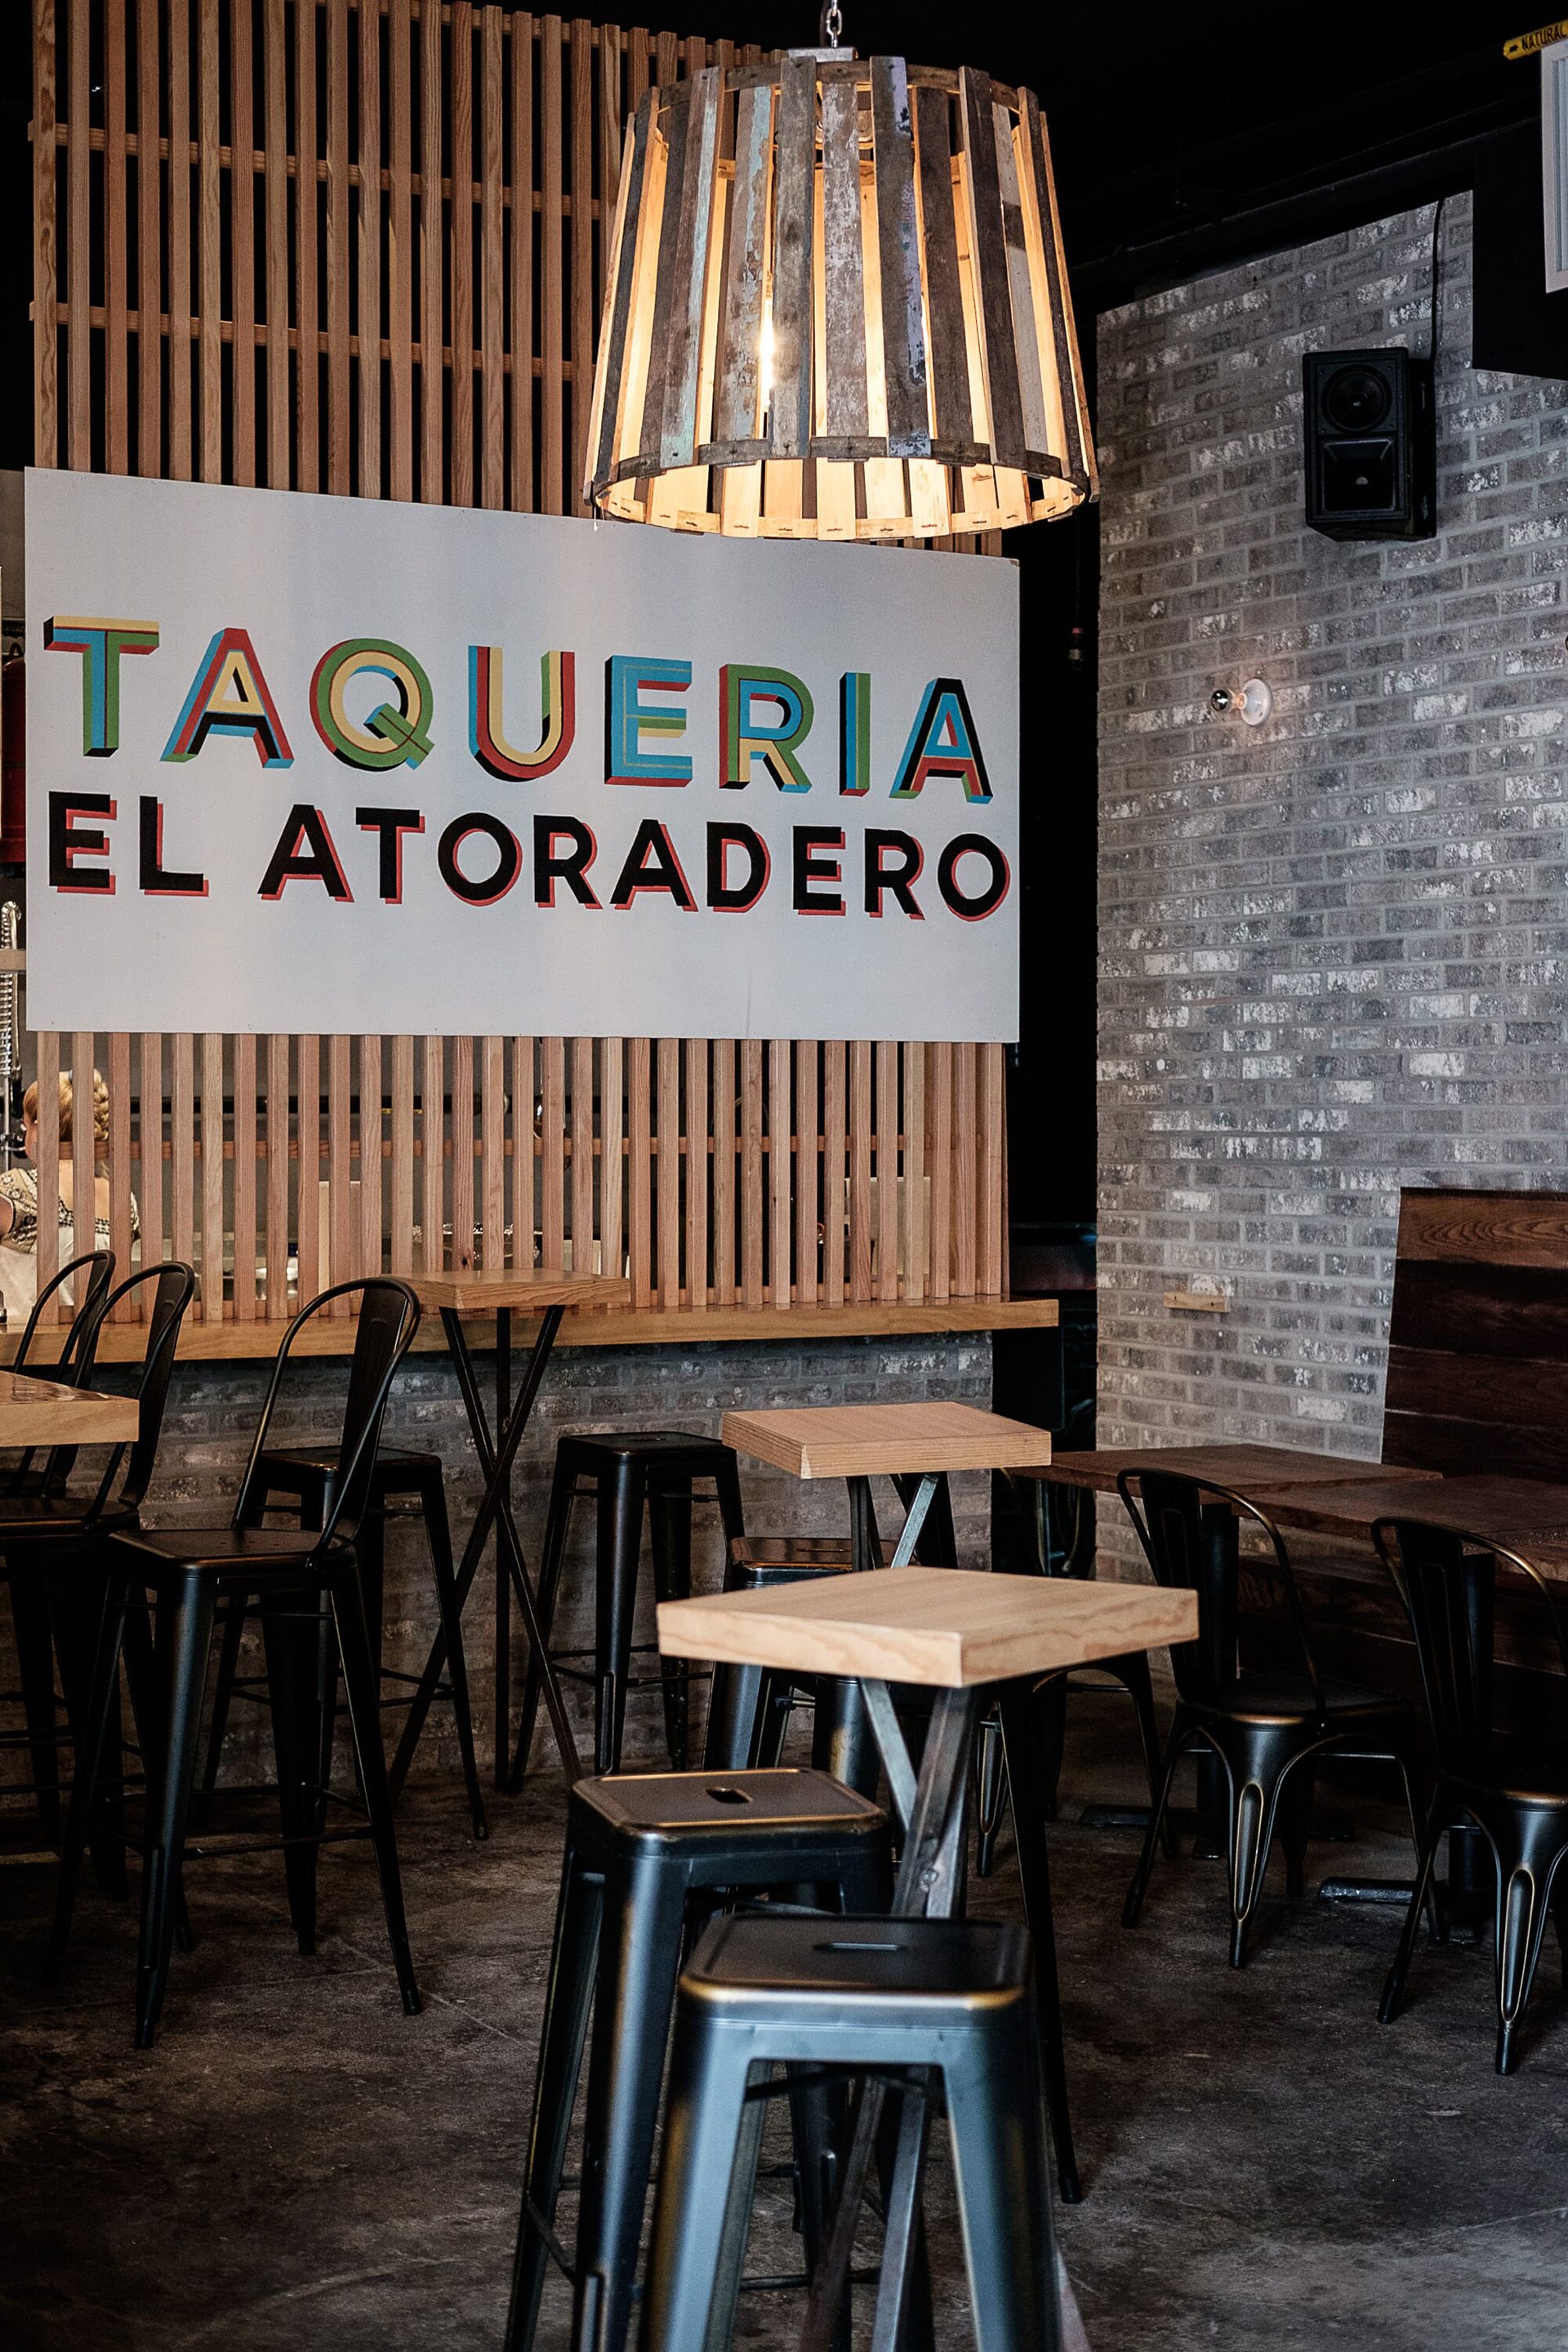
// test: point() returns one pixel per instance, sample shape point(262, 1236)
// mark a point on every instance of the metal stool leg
point(622, 1488)
point(670, 1516)
point(188, 1642)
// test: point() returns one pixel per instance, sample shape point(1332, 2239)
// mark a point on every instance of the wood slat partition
point(385, 280)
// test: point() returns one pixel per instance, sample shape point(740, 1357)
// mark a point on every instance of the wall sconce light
point(1250, 703)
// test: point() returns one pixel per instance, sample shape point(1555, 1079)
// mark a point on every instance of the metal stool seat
point(626, 1472)
point(857, 1995)
point(307, 1475)
point(638, 1847)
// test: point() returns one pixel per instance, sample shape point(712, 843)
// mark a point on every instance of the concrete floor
point(298, 2166)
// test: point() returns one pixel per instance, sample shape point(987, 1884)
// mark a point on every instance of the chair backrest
point(388, 1318)
point(1448, 1582)
point(1187, 1529)
point(75, 1362)
point(173, 1286)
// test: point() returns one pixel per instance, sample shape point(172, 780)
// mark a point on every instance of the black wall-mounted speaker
point(1371, 445)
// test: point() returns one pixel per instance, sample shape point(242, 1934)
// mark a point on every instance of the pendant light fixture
point(837, 308)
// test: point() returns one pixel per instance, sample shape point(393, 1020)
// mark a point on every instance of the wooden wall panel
point(388, 282)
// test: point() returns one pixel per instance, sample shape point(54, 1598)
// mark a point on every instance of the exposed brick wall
point(211, 1416)
point(1333, 949)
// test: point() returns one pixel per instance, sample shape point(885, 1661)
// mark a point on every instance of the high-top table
point(963, 1633)
point(457, 1296)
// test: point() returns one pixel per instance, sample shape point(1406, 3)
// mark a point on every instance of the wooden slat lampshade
point(837, 309)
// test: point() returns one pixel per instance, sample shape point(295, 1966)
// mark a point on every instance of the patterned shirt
point(20, 1187)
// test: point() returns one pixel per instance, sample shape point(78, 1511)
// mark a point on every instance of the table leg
point(496, 1462)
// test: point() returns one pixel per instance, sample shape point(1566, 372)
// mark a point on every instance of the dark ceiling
point(1188, 136)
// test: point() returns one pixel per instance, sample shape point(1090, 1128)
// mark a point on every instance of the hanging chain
point(831, 27)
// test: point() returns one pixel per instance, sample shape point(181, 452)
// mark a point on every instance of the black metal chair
point(624, 1472)
point(305, 1475)
point(1513, 1785)
point(35, 1644)
point(640, 1847)
point(868, 1995)
point(1267, 1725)
point(188, 1571)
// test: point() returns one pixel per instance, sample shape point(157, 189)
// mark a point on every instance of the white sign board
point(336, 764)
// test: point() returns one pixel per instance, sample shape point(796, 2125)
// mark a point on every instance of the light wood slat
point(212, 1125)
point(182, 1148)
point(116, 297)
point(149, 245)
point(552, 452)
point(639, 58)
point(843, 264)
point(736, 390)
point(992, 1269)
point(179, 221)
point(119, 1079)
point(521, 233)
point(672, 117)
point(461, 178)
point(794, 227)
point(898, 262)
point(339, 226)
point(78, 1186)
point(432, 266)
point(47, 1047)
point(612, 1163)
point(462, 1092)
point(369, 319)
point(492, 1151)
point(275, 135)
point(780, 1202)
point(950, 394)
point(46, 234)
point(76, 263)
point(941, 1116)
point(681, 364)
point(307, 1207)
point(806, 1211)
point(431, 1254)
point(368, 1251)
point(1079, 445)
point(666, 58)
point(667, 1172)
point(582, 1157)
point(887, 1059)
point(583, 312)
point(611, 209)
point(242, 254)
point(1003, 390)
point(400, 1207)
point(753, 1292)
point(966, 1229)
point(834, 1116)
point(916, 1239)
point(244, 1180)
point(492, 248)
point(1020, 287)
point(400, 247)
point(279, 1128)
point(342, 1226)
point(307, 245)
point(553, 1142)
point(209, 350)
point(152, 1194)
point(639, 1168)
point(860, 1131)
point(619, 291)
point(697, 1171)
point(526, 1164)
point(724, 1143)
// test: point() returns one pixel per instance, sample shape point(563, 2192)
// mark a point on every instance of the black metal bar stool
point(624, 1472)
point(306, 1474)
point(638, 1847)
point(867, 1995)
point(749, 1706)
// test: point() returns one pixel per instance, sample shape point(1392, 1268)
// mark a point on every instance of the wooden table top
point(48, 1413)
point(477, 1293)
point(951, 1626)
point(1514, 1510)
point(1249, 1468)
point(864, 1440)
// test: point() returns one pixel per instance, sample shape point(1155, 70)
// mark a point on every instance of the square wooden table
point(455, 1296)
point(1515, 1510)
point(51, 1413)
point(1249, 1468)
point(962, 1632)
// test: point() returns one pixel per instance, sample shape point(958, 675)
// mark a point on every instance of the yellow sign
point(1530, 44)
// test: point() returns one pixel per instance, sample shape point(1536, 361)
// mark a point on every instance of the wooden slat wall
point(388, 285)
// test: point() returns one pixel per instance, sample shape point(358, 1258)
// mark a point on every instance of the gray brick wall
point(1333, 949)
